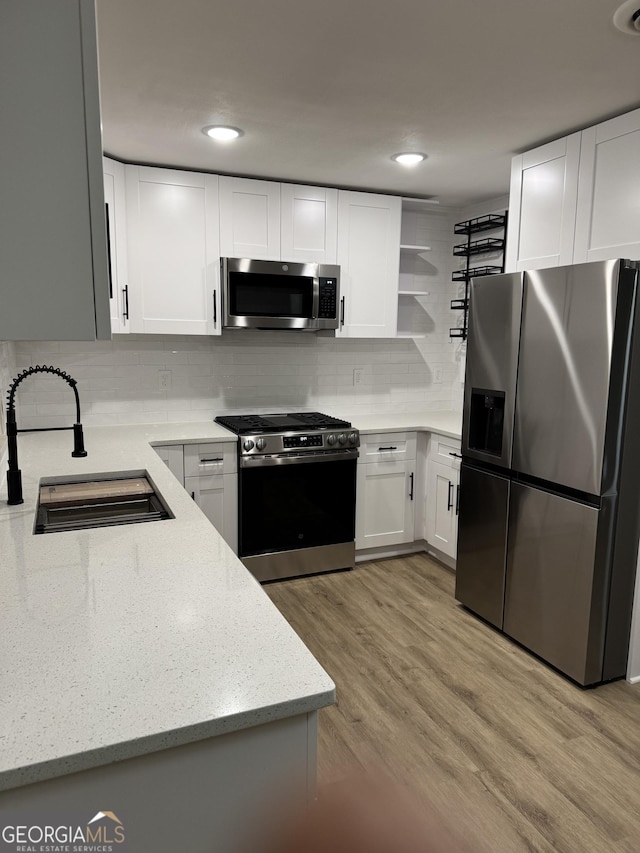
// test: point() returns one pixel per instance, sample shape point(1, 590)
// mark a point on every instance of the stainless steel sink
point(117, 499)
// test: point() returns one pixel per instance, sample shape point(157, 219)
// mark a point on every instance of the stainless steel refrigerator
point(550, 477)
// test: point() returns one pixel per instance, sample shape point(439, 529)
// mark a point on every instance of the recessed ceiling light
point(409, 158)
point(222, 133)
point(627, 17)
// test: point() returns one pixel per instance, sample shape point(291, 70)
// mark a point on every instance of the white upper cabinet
point(542, 206)
point(174, 255)
point(249, 219)
point(115, 203)
point(309, 224)
point(369, 257)
point(608, 219)
point(53, 247)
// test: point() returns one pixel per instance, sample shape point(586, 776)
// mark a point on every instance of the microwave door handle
point(315, 309)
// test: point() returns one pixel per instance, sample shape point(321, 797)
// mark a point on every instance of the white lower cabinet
point(217, 497)
point(212, 481)
point(173, 457)
point(385, 491)
point(442, 494)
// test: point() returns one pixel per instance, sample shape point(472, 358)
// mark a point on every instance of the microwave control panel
point(328, 304)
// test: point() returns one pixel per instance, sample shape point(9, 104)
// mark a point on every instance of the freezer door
point(492, 360)
point(566, 349)
point(482, 542)
point(554, 580)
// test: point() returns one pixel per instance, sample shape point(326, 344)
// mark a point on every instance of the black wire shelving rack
point(468, 250)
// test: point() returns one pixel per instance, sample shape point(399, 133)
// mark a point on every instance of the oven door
point(291, 503)
point(270, 295)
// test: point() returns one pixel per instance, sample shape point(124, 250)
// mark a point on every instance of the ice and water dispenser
point(486, 421)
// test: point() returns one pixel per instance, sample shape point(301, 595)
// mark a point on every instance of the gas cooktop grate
point(243, 424)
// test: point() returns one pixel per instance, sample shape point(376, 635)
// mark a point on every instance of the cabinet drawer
point(206, 459)
point(442, 449)
point(387, 446)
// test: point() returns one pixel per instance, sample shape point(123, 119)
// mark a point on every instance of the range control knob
point(353, 437)
point(331, 439)
point(261, 444)
point(342, 438)
point(247, 444)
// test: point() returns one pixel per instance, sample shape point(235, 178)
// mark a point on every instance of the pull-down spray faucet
point(14, 475)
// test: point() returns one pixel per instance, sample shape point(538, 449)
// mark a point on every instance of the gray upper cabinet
point(54, 281)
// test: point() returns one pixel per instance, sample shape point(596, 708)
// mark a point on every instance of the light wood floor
point(477, 727)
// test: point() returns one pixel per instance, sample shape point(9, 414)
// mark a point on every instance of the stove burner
point(249, 424)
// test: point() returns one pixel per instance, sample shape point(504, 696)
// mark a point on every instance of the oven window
point(285, 507)
point(265, 295)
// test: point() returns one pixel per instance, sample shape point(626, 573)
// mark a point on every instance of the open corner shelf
point(470, 249)
point(413, 293)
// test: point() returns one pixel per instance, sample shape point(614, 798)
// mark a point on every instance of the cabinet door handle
point(125, 313)
point(411, 492)
point(457, 499)
point(342, 312)
point(450, 497)
point(215, 307)
point(193, 496)
point(217, 459)
point(456, 455)
point(387, 448)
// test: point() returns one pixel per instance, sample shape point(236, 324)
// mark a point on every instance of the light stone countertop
point(122, 641)
point(442, 423)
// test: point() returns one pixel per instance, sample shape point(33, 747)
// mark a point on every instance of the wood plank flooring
point(522, 758)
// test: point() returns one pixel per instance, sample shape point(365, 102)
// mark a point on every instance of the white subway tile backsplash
point(118, 381)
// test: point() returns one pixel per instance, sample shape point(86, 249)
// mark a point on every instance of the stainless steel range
point(296, 493)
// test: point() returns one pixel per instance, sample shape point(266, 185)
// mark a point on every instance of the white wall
point(241, 371)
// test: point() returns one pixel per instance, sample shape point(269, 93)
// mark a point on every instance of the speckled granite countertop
point(442, 423)
point(128, 640)
point(122, 641)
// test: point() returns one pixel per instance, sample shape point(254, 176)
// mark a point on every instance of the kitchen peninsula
point(143, 668)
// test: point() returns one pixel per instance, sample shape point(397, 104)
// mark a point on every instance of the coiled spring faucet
point(14, 475)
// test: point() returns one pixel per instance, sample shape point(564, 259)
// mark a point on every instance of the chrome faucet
point(14, 475)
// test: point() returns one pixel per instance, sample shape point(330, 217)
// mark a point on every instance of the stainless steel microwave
point(280, 295)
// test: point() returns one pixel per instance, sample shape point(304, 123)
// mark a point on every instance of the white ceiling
point(327, 90)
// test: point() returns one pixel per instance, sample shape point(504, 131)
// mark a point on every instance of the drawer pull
point(193, 496)
point(217, 459)
point(386, 448)
point(457, 455)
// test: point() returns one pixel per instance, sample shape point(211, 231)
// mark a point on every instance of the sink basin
point(116, 499)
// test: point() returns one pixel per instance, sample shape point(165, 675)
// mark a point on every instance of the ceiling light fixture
point(409, 158)
point(627, 17)
point(222, 133)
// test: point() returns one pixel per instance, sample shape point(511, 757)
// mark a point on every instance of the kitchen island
point(143, 669)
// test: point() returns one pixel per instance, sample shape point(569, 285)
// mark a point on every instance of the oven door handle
point(294, 459)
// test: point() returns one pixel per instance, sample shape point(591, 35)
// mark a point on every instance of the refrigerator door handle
point(458, 499)
point(450, 497)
